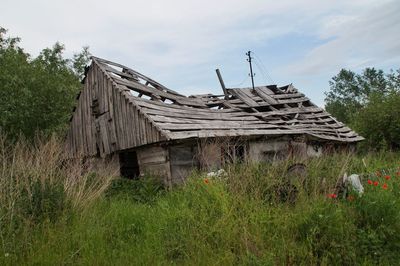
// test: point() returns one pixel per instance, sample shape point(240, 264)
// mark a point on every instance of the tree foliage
point(37, 94)
point(379, 121)
point(369, 102)
point(349, 91)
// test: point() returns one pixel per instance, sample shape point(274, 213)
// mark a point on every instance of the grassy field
point(53, 213)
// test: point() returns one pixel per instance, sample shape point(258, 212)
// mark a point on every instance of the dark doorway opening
point(129, 165)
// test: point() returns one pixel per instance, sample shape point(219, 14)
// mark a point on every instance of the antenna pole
point(251, 68)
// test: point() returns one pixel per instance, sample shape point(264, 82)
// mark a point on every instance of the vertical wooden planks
point(91, 85)
point(122, 118)
point(78, 128)
point(88, 88)
point(120, 123)
point(136, 130)
point(85, 131)
point(133, 129)
point(129, 123)
point(116, 116)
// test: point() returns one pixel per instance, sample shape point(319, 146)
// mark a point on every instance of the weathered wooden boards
point(155, 161)
point(121, 109)
point(106, 121)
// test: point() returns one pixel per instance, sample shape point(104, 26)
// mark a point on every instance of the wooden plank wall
point(119, 123)
point(81, 136)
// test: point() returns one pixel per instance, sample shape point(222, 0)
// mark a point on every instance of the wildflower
point(385, 186)
point(398, 173)
point(206, 181)
point(332, 196)
point(378, 173)
point(387, 177)
point(350, 198)
point(370, 181)
point(376, 183)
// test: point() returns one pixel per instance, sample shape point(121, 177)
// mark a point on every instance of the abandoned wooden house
point(123, 114)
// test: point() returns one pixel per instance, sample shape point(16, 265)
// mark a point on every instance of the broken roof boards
point(120, 109)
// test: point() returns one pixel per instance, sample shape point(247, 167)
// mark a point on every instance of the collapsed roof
point(266, 110)
point(120, 108)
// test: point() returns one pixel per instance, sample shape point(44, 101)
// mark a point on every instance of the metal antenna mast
point(251, 68)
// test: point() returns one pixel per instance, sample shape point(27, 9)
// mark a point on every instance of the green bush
point(368, 102)
point(37, 94)
point(379, 121)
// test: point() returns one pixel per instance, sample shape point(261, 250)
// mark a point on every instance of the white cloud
point(357, 40)
point(180, 42)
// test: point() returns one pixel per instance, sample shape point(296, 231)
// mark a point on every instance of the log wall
point(154, 161)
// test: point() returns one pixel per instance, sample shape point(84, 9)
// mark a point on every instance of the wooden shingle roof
point(266, 110)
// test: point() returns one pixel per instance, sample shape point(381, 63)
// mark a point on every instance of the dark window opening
point(129, 165)
point(233, 154)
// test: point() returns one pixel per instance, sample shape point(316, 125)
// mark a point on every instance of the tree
point(379, 121)
point(37, 94)
point(370, 103)
point(349, 91)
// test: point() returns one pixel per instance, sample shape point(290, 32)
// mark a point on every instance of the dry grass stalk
point(23, 164)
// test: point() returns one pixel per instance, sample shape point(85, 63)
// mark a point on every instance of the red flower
point(376, 183)
point(206, 181)
point(370, 181)
point(387, 177)
point(332, 196)
point(350, 198)
point(385, 186)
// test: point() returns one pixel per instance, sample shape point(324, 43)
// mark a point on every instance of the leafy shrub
point(369, 102)
point(37, 94)
point(379, 122)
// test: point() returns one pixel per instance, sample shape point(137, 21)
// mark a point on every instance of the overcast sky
point(180, 43)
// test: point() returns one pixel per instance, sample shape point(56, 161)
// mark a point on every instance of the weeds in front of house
point(39, 187)
point(255, 215)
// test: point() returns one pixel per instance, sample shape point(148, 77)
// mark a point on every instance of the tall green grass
point(240, 219)
point(40, 187)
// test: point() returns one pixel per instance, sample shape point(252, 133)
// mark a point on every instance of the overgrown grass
point(39, 188)
point(239, 219)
